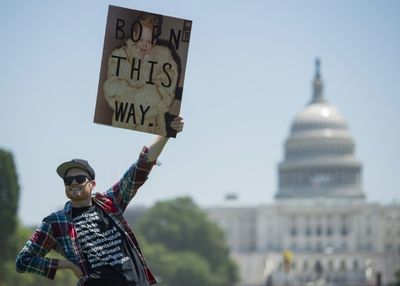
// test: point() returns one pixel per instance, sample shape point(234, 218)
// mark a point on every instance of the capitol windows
point(329, 230)
point(318, 246)
point(343, 265)
point(355, 265)
point(308, 231)
point(344, 231)
point(305, 265)
point(330, 265)
point(318, 230)
point(292, 227)
point(389, 247)
point(286, 179)
point(358, 178)
point(299, 178)
point(320, 180)
point(293, 231)
point(318, 267)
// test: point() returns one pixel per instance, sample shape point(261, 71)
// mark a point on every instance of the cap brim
point(64, 167)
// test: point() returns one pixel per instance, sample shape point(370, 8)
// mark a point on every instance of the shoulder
point(106, 201)
point(103, 199)
point(54, 217)
point(100, 196)
point(55, 221)
point(57, 224)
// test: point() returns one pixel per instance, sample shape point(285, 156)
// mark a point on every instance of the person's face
point(78, 189)
point(145, 43)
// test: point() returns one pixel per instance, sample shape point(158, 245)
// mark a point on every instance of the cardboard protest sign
point(142, 70)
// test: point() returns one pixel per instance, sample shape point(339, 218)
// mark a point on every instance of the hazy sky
point(250, 69)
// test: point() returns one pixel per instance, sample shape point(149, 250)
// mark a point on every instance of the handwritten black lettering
point(166, 72)
point(127, 112)
point(144, 111)
point(175, 38)
point(150, 80)
point(133, 69)
point(119, 32)
point(118, 63)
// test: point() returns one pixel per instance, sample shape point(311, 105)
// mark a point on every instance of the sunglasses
point(80, 179)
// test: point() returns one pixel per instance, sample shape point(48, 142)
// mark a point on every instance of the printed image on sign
point(142, 71)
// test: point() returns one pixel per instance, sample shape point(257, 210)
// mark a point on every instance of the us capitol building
point(320, 230)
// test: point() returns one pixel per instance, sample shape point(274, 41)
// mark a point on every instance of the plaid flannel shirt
point(57, 230)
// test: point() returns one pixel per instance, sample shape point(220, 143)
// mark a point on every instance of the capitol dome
point(319, 153)
point(318, 115)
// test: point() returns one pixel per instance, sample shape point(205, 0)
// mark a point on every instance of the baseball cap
point(75, 163)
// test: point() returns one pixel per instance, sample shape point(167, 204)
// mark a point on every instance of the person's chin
point(75, 195)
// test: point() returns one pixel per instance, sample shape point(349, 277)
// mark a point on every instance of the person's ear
point(92, 184)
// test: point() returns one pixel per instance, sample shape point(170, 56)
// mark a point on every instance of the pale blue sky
point(250, 68)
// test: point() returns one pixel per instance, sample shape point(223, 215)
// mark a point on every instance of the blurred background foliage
point(184, 247)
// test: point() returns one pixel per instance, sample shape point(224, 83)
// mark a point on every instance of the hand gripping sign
point(142, 71)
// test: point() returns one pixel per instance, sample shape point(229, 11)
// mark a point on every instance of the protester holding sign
point(91, 232)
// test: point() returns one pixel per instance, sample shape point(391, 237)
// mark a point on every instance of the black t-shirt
point(106, 251)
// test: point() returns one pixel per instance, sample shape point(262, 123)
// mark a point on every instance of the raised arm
point(157, 146)
point(126, 188)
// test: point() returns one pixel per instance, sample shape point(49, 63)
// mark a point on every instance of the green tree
point(14, 235)
point(183, 244)
point(396, 282)
point(9, 194)
point(176, 268)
